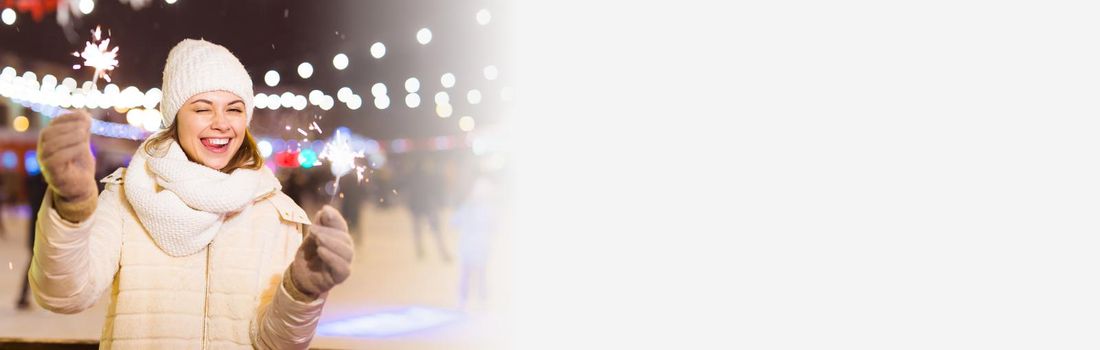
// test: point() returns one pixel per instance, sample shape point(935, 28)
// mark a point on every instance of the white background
point(805, 175)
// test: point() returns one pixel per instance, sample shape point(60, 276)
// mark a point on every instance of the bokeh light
point(412, 100)
point(30, 163)
point(307, 158)
point(343, 94)
point(466, 123)
point(340, 61)
point(20, 123)
point(443, 110)
point(305, 70)
point(8, 16)
point(9, 160)
point(474, 97)
point(378, 89)
point(483, 17)
point(448, 80)
point(87, 6)
point(381, 102)
point(265, 148)
point(378, 50)
point(424, 36)
point(491, 72)
point(271, 78)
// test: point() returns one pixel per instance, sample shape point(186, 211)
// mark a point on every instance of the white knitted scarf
point(182, 204)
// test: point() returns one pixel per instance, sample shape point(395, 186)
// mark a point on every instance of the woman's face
point(211, 127)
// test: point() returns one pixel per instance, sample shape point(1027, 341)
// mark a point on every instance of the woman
point(194, 238)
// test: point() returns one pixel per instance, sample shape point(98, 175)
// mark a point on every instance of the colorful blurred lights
point(307, 158)
point(30, 163)
point(20, 123)
point(286, 159)
point(399, 145)
point(9, 160)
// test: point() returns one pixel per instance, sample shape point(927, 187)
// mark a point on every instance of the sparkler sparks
point(341, 158)
point(359, 173)
point(97, 54)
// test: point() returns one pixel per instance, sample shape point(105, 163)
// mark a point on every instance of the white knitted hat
point(197, 66)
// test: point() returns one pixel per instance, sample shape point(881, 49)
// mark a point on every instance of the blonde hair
point(247, 157)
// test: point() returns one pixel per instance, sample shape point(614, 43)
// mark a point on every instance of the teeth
point(219, 141)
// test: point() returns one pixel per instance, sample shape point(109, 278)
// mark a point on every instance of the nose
point(220, 121)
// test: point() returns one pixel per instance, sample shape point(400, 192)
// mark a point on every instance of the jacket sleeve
point(74, 263)
point(287, 323)
point(283, 322)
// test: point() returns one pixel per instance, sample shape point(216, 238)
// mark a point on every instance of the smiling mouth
point(216, 144)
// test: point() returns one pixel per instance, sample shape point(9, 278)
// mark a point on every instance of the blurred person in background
point(422, 191)
point(351, 200)
point(294, 186)
point(36, 190)
point(475, 221)
point(194, 239)
point(8, 196)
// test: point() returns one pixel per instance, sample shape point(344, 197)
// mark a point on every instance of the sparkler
point(341, 158)
point(98, 55)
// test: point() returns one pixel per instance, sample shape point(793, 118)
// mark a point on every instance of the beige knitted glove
point(323, 259)
point(67, 164)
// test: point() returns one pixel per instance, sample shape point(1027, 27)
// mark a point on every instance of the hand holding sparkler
point(324, 258)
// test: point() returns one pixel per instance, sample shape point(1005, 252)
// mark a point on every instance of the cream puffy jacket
point(229, 296)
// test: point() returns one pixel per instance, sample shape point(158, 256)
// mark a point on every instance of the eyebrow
point(211, 103)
